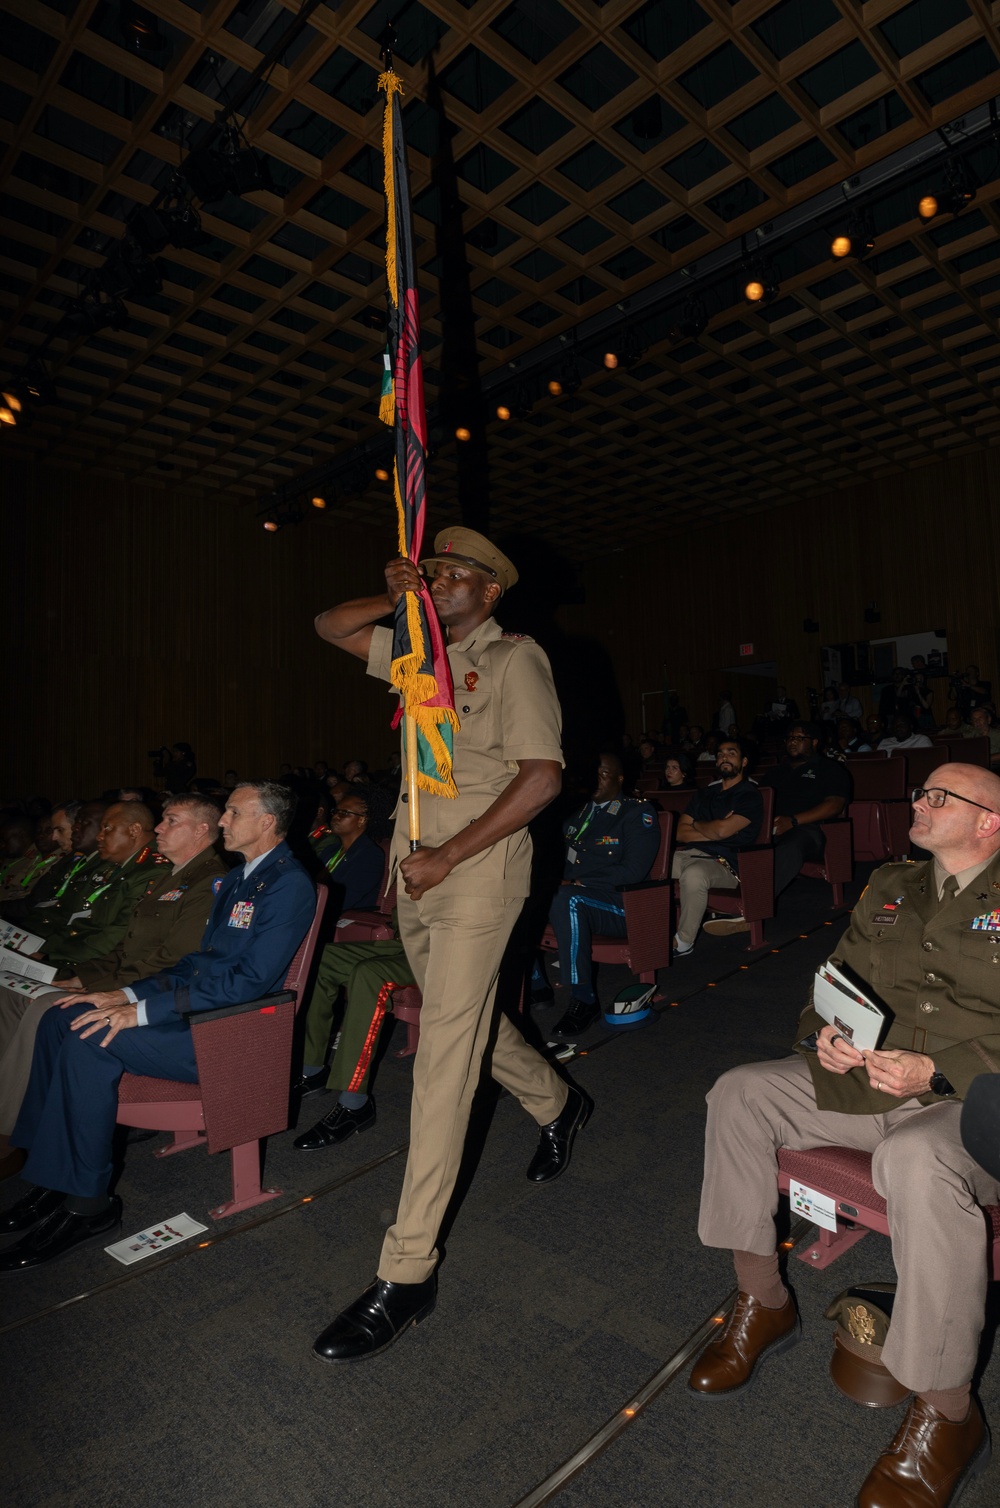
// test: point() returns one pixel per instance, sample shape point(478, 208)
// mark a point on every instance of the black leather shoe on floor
point(555, 1141)
point(59, 1233)
point(375, 1319)
point(36, 1204)
point(576, 1020)
point(311, 1083)
point(336, 1127)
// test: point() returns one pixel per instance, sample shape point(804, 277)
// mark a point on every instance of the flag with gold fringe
point(420, 669)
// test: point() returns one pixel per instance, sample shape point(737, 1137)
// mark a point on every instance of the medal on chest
point(241, 914)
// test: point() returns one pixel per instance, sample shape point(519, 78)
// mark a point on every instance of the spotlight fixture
point(462, 433)
point(760, 285)
point(319, 502)
point(633, 348)
point(857, 242)
point(503, 412)
point(692, 322)
point(11, 408)
point(928, 207)
point(555, 388)
point(958, 193)
point(610, 360)
point(127, 270)
point(140, 30)
point(20, 398)
point(382, 474)
point(271, 525)
point(174, 223)
point(232, 167)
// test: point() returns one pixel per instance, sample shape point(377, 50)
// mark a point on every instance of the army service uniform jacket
point(102, 908)
point(936, 965)
point(611, 844)
point(169, 921)
point(508, 711)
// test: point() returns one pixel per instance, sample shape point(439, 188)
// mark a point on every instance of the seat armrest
point(642, 885)
point(266, 1002)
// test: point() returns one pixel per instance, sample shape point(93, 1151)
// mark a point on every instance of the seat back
point(661, 864)
point(972, 751)
point(670, 800)
point(298, 969)
point(919, 764)
point(877, 779)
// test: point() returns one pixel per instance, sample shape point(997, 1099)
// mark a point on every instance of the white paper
point(811, 1205)
point(17, 937)
point(18, 964)
point(841, 1004)
point(22, 985)
point(160, 1237)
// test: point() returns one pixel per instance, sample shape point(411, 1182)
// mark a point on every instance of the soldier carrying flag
point(465, 884)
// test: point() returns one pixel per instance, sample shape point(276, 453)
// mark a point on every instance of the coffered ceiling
point(569, 161)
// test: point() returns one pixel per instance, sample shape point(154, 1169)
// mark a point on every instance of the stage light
point(140, 30)
point(215, 171)
point(462, 433)
point(6, 417)
point(271, 525)
point(382, 474)
point(928, 207)
point(858, 241)
point(840, 246)
point(555, 388)
point(319, 502)
point(13, 402)
point(692, 322)
point(610, 360)
point(503, 412)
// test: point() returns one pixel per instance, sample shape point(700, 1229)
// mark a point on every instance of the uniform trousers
point(19, 1018)
point(455, 944)
point(932, 1187)
point(368, 969)
point(576, 913)
point(697, 873)
point(800, 845)
point(67, 1119)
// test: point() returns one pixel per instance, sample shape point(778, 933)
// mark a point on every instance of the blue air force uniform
point(607, 845)
point(68, 1115)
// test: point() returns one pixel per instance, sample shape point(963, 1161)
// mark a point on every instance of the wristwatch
point(940, 1085)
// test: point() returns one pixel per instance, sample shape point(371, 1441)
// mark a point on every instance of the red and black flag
point(420, 668)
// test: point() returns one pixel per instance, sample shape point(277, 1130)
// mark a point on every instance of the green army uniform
point(19, 909)
point(50, 913)
point(935, 962)
point(100, 920)
point(168, 922)
point(25, 873)
point(369, 970)
point(456, 934)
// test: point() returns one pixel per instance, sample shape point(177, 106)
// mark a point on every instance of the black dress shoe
point(375, 1319)
point(336, 1127)
point(576, 1020)
point(555, 1141)
point(311, 1083)
point(36, 1204)
point(59, 1233)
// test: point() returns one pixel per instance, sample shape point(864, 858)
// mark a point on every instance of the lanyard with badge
point(572, 857)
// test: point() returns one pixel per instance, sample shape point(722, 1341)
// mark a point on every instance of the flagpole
point(412, 789)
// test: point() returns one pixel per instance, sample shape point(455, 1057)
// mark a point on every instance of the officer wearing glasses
point(927, 937)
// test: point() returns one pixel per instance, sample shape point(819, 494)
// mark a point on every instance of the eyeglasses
point(347, 811)
point(935, 796)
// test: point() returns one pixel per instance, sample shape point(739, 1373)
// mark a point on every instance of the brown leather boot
point(729, 1362)
point(929, 1462)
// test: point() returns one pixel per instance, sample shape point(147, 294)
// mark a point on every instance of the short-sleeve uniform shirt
point(508, 711)
point(798, 788)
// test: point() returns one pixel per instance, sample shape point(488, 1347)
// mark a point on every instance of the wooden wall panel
point(135, 617)
point(924, 545)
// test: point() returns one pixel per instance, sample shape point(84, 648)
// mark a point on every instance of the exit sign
point(746, 650)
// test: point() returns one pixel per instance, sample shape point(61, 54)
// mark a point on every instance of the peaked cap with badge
point(475, 550)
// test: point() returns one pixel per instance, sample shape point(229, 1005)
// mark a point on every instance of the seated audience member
point(17, 835)
point(320, 769)
point(16, 907)
point(351, 856)
point(356, 772)
point(708, 750)
point(677, 772)
point(984, 726)
point(725, 714)
point(180, 769)
point(808, 790)
point(337, 787)
point(783, 706)
point(67, 1119)
point(610, 841)
point(692, 744)
point(368, 971)
point(649, 757)
point(38, 858)
point(168, 922)
point(390, 776)
point(848, 704)
point(47, 912)
point(903, 735)
point(230, 780)
point(721, 819)
point(848, 740)
point(902, 1104)
point(100, 918)
point(969, 692)
point(953, 723)
point(829, 709)
point(874, 729)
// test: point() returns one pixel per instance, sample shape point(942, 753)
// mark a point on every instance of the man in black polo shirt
point(721, 819)
point(808, 790)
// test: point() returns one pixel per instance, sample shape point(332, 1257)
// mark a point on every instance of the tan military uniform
point(456, 934)
point(936, 964)
point(168, 922)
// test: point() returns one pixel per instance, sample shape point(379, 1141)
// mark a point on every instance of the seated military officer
point(927, 936)
point(67, 1119)
point(610, 841)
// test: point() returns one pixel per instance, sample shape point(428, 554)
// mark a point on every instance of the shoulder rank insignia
point(614, 807)
point(517, 638)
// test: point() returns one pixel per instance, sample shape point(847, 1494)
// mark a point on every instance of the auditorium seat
point(754, 897)
point(837, 864)
point(374, 925)
point(244, 1060)
point(920, 763)
point(648, 918)
point(844, 1175)
point(879, 809)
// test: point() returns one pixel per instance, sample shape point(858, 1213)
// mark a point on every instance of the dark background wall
point(135, 616)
